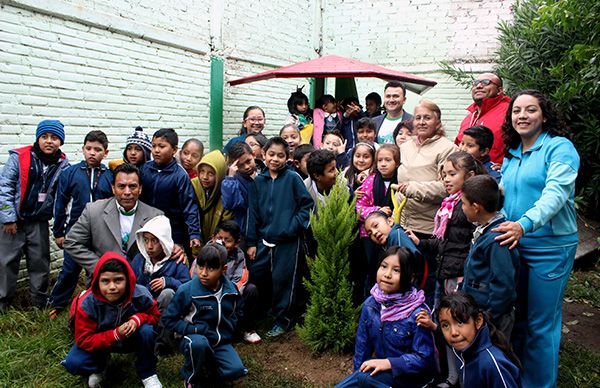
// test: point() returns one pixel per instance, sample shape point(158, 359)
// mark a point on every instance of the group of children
point(251, 206)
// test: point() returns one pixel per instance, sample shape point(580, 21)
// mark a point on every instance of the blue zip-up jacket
point(539, 191)
point(174, 274)
point(234, 195)
point(487, 164)
point(279, 208)
point(104, 189)
point(408, 347)
point(483, 365)
point(73, 193)
point(196, 310)
point(14, 179)
point(169, 189)
point(398, 238)
point(491, 272)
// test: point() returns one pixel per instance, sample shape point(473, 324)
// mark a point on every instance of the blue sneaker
point(276, 331)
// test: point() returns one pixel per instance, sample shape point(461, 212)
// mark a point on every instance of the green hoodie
point(211, 208)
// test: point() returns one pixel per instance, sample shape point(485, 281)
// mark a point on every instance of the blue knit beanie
point(54, 127)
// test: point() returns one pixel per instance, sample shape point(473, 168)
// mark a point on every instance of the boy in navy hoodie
point(113, 315)
point(203, 313)
point(167, 187)
point(278, 216)
point(478, 141)
point(27, 187)
point(491, 270)
point(77, 186)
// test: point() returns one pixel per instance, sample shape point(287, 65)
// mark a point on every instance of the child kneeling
point(113, 298)
point(203, 313)
point(404, 352)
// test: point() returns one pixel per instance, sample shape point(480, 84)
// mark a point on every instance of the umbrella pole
point(215, 129)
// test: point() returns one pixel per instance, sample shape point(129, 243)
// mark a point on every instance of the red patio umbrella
point(333, 66)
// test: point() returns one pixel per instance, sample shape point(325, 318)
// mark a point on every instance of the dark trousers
point(200, 355)
point(33, 239)
point(84, 363)
point(280, 267)
point(364, 379)
point(250, 297)
point(65, 283)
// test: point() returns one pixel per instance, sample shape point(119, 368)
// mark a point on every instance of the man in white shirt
point(394, 97)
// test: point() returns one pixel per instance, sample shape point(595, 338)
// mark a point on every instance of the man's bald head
point(479, 90)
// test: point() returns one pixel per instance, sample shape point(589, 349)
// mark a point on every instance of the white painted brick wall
point(413, 36)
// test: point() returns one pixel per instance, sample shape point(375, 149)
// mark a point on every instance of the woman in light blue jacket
point(538, 175)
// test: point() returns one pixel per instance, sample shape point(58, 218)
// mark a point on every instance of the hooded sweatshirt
point(96, 320)
point(145, 271)
point(211, 205)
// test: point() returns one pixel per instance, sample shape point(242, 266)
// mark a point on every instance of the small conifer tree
point(331, 319)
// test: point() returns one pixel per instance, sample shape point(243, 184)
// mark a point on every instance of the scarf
point(395, 307)
point(46, 159)
point(382, 196)
point(444, 213)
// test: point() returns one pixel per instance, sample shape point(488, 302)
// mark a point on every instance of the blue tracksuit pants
point(198, 354)
point(84, 363)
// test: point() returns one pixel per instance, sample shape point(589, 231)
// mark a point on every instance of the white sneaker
point(95, 379)
point(251, 337)
point(152, 382)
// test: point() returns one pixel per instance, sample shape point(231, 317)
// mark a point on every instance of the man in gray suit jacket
point(110, 224)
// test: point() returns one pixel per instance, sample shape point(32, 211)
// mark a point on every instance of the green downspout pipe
point(215, 124)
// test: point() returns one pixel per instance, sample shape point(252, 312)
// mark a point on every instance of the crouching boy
point(113, 315)
point(203, 313)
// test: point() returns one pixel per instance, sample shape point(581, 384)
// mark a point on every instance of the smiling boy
point(279, 214)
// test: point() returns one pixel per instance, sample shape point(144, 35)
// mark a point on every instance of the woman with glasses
point(253, 122)
point(488, 108)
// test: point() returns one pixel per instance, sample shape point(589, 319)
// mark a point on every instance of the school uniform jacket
point(14, 178)
point(96, 319)
point(169, 189)
point(197, 310)
point(484, 365)
point(75, 189)
point(234, 195)
point(279, 208)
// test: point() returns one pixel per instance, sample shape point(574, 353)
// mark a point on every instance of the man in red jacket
point(488, 109)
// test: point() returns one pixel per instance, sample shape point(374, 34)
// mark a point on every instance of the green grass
point(584, 286)
point(579, 367)
point(32, 346)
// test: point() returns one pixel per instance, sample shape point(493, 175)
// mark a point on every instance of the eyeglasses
point(255, 119)
point(484, 82)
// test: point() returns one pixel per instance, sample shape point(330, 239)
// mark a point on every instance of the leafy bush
point(331, 319)
point(554, 46)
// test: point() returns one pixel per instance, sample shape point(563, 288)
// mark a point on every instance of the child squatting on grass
point(113, 315)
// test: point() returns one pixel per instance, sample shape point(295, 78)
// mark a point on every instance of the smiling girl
point(391, 350)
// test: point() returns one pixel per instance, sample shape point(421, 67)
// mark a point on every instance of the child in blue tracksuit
point(236, 185)
point(483, 355)
point(204, 313)
point(28, 184)
point(491, 269)
point(391, 349)
point(77, 186)
point(167, 187)
point(278, 216)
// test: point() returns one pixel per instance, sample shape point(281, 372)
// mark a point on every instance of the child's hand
point(233, 169)
point(413, 237)
point(251, 252)
point(10, 228)
point(128, 328)
point(342, 148)
point(424, 320)
point(359, 194)
point(378, 365)
point(178, 254)
point(157, 284)
point(195, 243)
point(402, 187)
point(387, 210)
point(496, 166)
point(59, 242)
point(360, 178)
